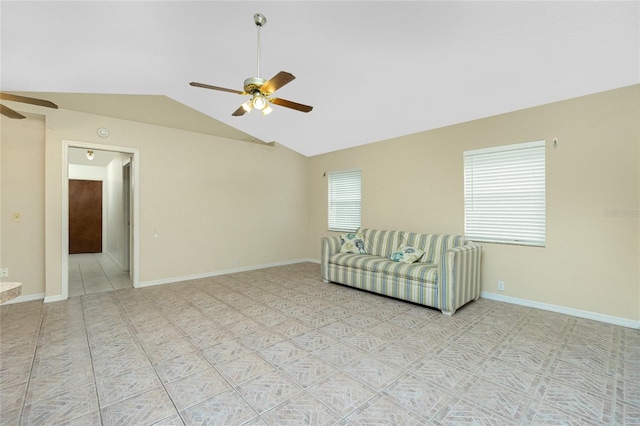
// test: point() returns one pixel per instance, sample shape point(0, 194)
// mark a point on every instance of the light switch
point(16, 217)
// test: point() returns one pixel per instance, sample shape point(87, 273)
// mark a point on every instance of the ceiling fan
point(8, 112)
point(259, 89)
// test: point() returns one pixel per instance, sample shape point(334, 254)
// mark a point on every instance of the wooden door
point(85, 216)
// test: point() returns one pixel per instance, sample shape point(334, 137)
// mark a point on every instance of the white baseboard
point(116, 261)
point(222, 272)
point(56, 298)
point(609, 319)
point(27, 298)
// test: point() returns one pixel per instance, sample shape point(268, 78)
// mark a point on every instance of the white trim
point(114, 260)
point(27, 298)
point(609, 319)
point(509, 147)
point(135, 196)
point(222, 272)
point(337, 172)
point(56, 298)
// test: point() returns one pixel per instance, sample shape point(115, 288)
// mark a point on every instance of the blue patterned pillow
point(352, 243)
point(406, 254)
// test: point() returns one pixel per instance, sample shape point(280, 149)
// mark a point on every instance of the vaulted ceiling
point(372, 70)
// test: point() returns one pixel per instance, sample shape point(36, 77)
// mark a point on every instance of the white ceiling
point(373, 70)
point(78, 156)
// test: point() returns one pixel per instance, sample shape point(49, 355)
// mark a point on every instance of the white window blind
point(504, 194)
point(345, 194)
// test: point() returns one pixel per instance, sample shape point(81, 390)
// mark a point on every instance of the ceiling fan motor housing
point(254, 84)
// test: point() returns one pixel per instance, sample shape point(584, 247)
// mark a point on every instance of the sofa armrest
point(329, 247)
point(459, 277)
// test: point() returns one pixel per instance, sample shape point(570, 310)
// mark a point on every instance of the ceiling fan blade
point(240, 111)
point(27, 100)
point(292, 105)
point(222, 89)
point(8, 112)
point(276, 82)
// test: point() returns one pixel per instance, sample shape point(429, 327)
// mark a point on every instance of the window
point(345, 200)
point(504, 194)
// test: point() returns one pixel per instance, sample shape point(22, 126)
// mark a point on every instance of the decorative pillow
point(406, 254)
point(352, 243)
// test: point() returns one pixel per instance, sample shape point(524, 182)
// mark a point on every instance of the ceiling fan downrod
point(260, 20)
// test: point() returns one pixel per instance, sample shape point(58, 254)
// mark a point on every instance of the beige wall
point(591, 259)
point(216, 204)
point(22, 191)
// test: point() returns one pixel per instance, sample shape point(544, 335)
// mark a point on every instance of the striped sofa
point(446, 277)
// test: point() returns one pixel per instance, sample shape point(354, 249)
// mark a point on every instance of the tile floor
point(279, 347)
point(91, 273)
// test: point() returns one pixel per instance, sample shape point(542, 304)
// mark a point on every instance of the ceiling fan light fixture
point(267, 110)
point(259, 102)
point(247, 106)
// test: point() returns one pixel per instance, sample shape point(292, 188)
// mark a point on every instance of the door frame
point(135, 208)
point(126, 179)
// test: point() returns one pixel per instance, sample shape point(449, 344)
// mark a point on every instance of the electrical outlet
point(4, 272)
point(500, 285)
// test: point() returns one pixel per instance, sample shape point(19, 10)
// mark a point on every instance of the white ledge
point(9, 290)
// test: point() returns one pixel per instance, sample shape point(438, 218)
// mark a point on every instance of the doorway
point(114, 264)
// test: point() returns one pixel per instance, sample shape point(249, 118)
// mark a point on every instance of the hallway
point(91, 273)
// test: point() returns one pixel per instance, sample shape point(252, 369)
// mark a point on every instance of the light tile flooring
point(279, 347)
point(91, 273)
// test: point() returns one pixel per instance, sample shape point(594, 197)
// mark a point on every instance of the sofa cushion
point(417, 240)
point(380, 243)
point(352, 243)
point(426, 272)
point(423, 272)
point(359, 261)
point(406, 254)
point(434, 245)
